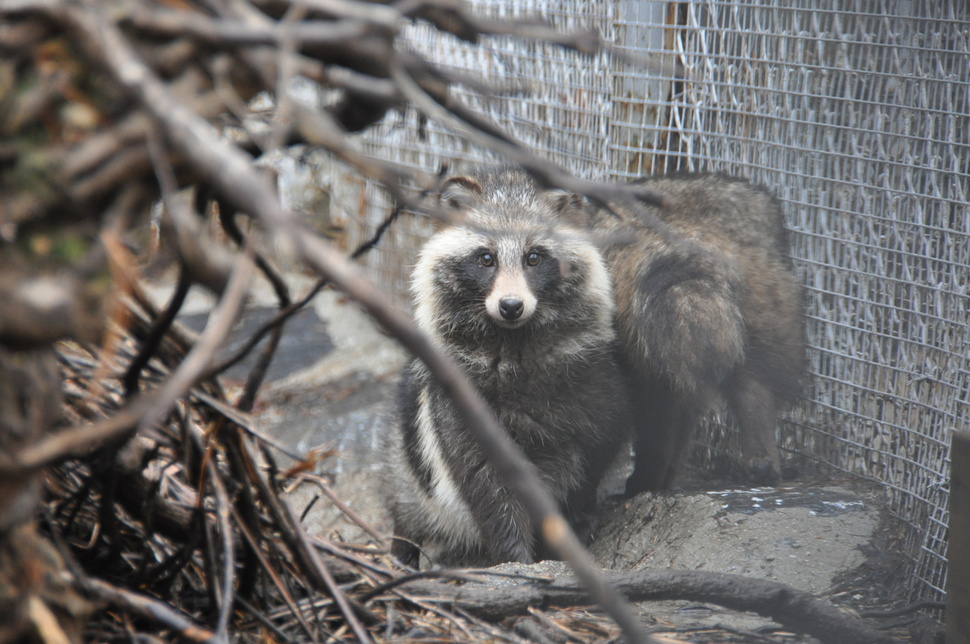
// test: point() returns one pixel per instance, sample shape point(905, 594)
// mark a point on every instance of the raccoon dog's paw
point(405, 552)
point(764, 472)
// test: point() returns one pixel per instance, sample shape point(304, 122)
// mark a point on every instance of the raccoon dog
point(521, 299)
point(707, 310)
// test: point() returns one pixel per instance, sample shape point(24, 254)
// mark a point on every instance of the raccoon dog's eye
point(487, 259)
point(533, 258)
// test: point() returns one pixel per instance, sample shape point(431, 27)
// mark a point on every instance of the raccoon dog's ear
point(570, 207)
point(459, 192)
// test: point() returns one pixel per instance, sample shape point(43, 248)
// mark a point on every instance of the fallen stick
point(792, 608)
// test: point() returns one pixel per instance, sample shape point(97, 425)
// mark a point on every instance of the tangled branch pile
point(146, 479)
point(136, 498)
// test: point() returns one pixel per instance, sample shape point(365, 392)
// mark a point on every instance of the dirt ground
point(333, 383)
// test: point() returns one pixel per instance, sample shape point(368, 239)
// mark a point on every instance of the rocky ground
point(334, 379)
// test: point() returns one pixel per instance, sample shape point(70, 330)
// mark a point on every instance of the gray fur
point(538, 341)
point(707, 310)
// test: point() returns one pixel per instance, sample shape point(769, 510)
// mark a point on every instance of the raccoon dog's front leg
point(442, 492)
point(504, 531)
point(504, 525)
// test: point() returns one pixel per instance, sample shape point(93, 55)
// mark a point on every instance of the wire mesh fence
point(853, 112)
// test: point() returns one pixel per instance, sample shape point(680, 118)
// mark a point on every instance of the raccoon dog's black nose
point(510, 308)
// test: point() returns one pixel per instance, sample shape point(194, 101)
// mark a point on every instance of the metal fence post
point(958, 575)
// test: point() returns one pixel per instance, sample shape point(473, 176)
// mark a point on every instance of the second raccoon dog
point(521, 299)
point(708, 309)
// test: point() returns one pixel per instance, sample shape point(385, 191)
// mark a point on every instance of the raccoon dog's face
point(492, 270)
point(514, 265)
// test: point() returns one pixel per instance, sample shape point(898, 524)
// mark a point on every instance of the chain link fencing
point(855, 113)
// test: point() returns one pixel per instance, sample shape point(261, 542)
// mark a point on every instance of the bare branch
point(76, 441)
point(153, 609)
point(203, 353)
point(790, 607)
point(224, 32)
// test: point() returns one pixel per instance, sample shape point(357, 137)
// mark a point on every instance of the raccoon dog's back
point(521, 300)
point(707, 308)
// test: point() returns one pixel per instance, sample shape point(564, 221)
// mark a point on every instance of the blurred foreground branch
point(156, 480)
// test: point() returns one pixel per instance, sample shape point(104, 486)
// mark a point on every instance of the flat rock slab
point(798, 536)
point(801, 536)
point(292, 354)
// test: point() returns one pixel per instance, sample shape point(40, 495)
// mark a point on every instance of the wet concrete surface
point(825, 502)
point(333, 383)
point(294, 352)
